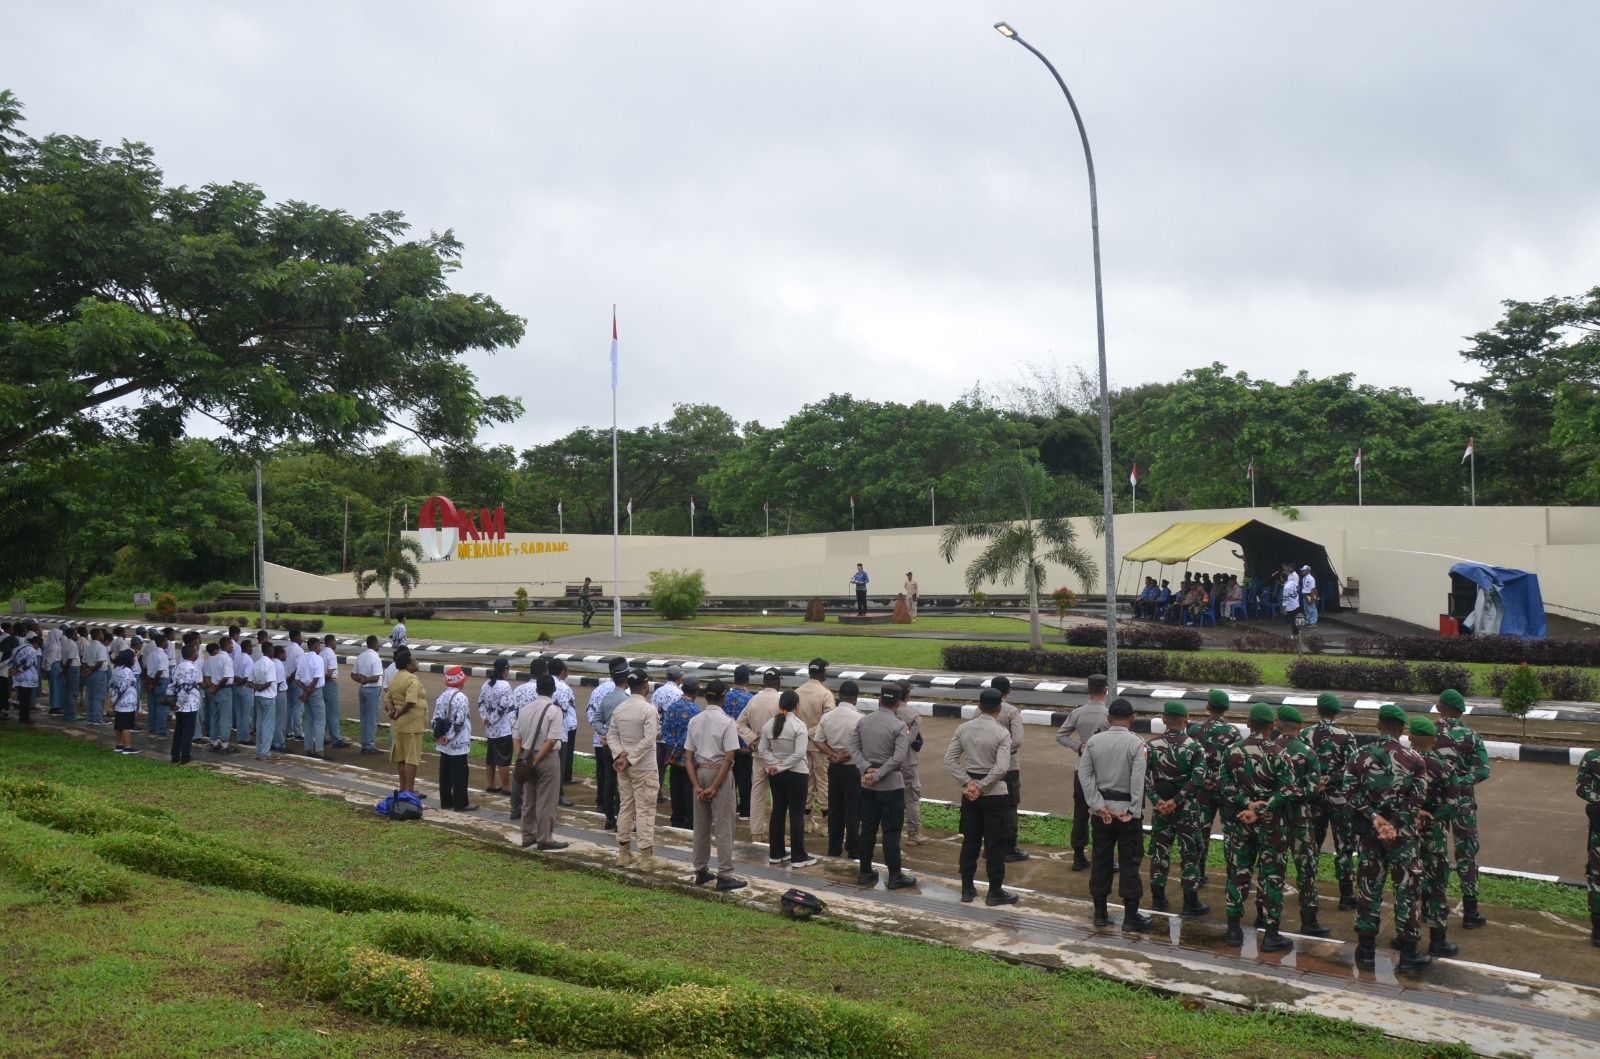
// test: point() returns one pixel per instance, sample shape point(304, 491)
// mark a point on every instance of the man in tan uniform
point(911, 768)
point(538, 734)
point(632, 739)
point(909, 589)
point(708, 751)
point(815, 700)
point(762, 708)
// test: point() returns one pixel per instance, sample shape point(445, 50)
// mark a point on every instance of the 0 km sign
point(441, 526)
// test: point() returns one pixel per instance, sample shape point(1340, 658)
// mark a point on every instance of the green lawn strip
point(946, 987)
point(57, 865)
point(1532, 895)
point(858, 650)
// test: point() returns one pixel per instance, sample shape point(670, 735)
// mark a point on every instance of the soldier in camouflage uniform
point(1461, 744)
point(1333, 746)
point(1215, 735)
point(1589, 791)
point(1175, 776)
point(1438, 803)
point(1385, 788)
point(1304, 850)
point(1258, 788)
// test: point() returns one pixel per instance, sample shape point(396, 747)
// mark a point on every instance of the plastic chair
point(1208, 616)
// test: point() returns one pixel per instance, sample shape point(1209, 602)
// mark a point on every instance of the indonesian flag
point(852, 501)
point(630, 507)
point(1467, 455)
point(1250, 471)
point(691, 505)
point(405, 517)
point(558, 507)
point(1133, 476)
point(1358, 459)
point(764, 506)
point(613, 347)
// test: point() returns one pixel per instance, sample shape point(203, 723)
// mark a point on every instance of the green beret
point(1452, 698)
point(1174, 708)
point(1390, 712)
point(1218, 698)
point(1330, 702)
point(1422, 724)
point(1262, 713)
point(1289, 713)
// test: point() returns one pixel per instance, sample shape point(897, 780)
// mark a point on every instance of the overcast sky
point(888, 199)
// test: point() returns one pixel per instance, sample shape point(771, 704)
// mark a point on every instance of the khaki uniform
point(815, 700)
point(633, 731)
point(910, 590)
point(538, 723)
point(713, 737)
point(761, 709)
point(405, 733)
point(911, 770)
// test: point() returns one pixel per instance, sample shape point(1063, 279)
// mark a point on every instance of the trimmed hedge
point(1385, 677)
point(291, 624)
point(1156, 637)
point(682, 1017)
point(1510, 650)
point(57, 866)
point(1131, 665)
point(1563, 685)
point(180, 856)
point(64, 809)
point(1257, 642)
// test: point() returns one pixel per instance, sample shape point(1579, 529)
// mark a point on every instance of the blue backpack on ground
point(401, 805)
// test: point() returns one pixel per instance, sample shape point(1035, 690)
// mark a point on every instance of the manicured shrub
point(1562, 685)
point(1494, 649)
point(1131, 665)
point(180, 856)
point(1207, 669)
point(1522, 693)
point(676, 594)
point(290, 624)
point(1258, 642)
point(1393, 678)
point(57, 866)
point(1157, 637)
point(1434, 677)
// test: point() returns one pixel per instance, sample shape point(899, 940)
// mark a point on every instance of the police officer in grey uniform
point(1082, 724)
point(1111, 770)
point(979, 756)
point(879, 746)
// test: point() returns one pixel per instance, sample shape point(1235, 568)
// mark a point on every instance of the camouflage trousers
point(1464, 830)
point(1435, 854)
point(1184, 827)
point(1335, 818)
point(1257, 849)
point(1399, 863)
point(1205, 818)
point(1304, 851)
point(1593, 872)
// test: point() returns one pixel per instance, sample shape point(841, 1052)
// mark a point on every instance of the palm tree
point(386, 559)
point(1024, 520)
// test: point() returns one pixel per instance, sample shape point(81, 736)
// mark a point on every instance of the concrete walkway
point(1522, 997)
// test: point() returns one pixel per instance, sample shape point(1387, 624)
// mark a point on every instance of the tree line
point(308, 339)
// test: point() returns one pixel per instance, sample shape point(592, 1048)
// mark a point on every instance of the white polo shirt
point(368, 664)
point(330, 663)
point(308, 671)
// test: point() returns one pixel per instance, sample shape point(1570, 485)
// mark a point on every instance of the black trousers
point(788, 803)
point(741, 782)
point(607, 798)
point(886, 809)
point(25, 700)
point(1120, 843)
point(861, 601)
point(682, 797)
point(1080, 816)
point(568, 748)
point(844, 809)
point(661, 772)
point(453, 781)
point(182, 736)
point(1013, 803)
point(985, 823)
point(5, 693)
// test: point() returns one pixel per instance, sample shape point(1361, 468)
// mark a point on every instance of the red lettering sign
point(439, 513)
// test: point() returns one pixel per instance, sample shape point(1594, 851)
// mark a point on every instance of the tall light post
point(1108, 513)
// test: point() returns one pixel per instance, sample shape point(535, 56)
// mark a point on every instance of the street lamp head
point(1005, 30)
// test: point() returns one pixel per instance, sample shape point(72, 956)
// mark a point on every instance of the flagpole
point(691, 516)
point(561, 517)
point(616, 540)
point(766, 514)
point(1472, 469)
point(933, 510)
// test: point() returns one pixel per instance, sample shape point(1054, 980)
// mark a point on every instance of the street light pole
point(1109, 513)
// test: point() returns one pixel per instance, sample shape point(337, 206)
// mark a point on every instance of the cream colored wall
point(1400, 555)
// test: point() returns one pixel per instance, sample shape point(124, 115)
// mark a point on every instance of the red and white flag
point(691, 505)
point(558, 508)
point(1250, 471)
point(1358, 459)
point(1133, 476)
point(1468, 454)
point(764, 507)
point(613, 347)
point(852, 501)
point(405, 517)
point(630, 507)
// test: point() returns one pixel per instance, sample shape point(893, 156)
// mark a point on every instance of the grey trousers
point(539, 797)
point(715, 816)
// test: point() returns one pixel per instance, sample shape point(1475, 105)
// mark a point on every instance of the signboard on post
point(141, 599)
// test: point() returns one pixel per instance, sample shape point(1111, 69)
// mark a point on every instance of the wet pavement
point(1514, 991)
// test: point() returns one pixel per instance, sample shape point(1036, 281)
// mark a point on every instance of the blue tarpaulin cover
point(1511, 595)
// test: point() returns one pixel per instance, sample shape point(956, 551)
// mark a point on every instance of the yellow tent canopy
point(1182, 541)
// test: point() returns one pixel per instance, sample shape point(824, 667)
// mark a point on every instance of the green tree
point(1024, 522)
point(277, 321)
point(387, 559)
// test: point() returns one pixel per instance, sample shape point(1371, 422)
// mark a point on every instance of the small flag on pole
point(613, 347)
point(764, 506)
point(1468, 454)
point(691, 505)
point(630, 507)
point(558, 509)
point(405, 517)
point(1250, 471)
point(852, 501)
point(1133, 476)
point(1358, 459)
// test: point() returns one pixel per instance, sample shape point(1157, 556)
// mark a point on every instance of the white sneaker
point(808, 862)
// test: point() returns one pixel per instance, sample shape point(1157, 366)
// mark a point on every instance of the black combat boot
point(1272, 941)
point(1261, 920)
point(1158, 898)
point(1411, 959)
point(1309, 926)
point(1192, 905)
point(969, 892)
point(1235, 934)
point(1471, 918)
point(1079, 861)
point(1347, 895)
point(1102, 918)
point(1594, 929)
point(1439, 944)
point(1367, 951)
point(1131, 919)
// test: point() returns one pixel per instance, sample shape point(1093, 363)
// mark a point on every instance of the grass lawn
point(860, 650)
point(184, 970)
